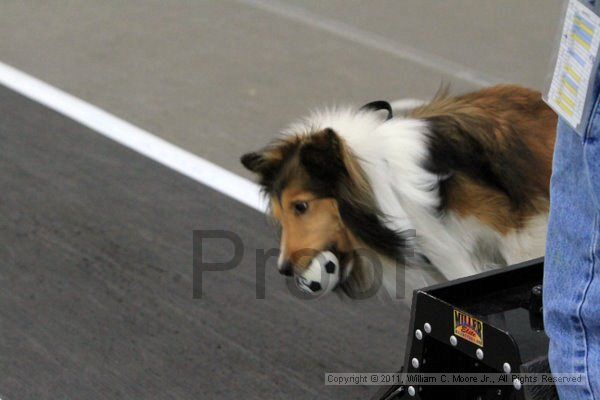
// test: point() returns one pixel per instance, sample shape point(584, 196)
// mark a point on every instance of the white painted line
point(133, 137)
point(373, 40)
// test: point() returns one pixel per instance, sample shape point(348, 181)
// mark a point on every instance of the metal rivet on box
point(506, 368)
point(427, 327)
point(517, 384)
point(419, 334)
point(479, 354)
point(411, 391)
point(453, 340)
point(415, 363)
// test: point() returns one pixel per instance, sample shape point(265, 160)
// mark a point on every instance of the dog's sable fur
point(470, 174)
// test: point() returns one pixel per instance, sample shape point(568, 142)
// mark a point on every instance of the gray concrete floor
point(96, 251)
point(220, 77)
point(96, 284)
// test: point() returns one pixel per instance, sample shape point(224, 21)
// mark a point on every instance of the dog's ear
point(322, 155)
point(254, 162)
point(264, 163)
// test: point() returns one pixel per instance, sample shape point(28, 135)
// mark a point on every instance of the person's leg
point(572, 263)
point(590, 309)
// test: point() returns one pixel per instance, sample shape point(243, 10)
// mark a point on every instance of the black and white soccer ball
point(321, 276)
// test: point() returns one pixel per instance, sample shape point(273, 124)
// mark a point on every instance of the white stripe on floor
point(373, 40)
point(133, 137)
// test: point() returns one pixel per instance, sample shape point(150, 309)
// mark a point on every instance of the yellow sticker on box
point(468, 328)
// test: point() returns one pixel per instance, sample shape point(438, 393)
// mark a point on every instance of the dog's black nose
point(286, 268)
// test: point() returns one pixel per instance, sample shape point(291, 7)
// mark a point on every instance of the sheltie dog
point(459, 184)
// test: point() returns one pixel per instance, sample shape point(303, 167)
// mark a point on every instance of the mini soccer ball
point(322, 274)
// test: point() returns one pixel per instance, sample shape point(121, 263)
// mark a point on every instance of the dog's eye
point(300, 207)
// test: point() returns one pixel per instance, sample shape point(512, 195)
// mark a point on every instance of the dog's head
point(323, 201)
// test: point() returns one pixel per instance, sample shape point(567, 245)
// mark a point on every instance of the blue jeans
point(572, 263)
